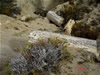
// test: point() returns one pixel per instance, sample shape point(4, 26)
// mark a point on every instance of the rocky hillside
point(77, 22)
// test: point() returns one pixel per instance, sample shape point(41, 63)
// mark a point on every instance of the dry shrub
point(41, 57)
point(85, 30)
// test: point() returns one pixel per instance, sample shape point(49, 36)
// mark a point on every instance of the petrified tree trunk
point(58, 20)
point(68, 27)
point(86, 44)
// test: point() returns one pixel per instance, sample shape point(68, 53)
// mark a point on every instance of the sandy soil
point(14, 35)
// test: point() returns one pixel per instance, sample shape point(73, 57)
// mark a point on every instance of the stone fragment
point(26, 18)
point(52, 16)
point(68, 27)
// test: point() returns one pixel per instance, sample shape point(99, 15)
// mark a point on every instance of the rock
point(46, 19)
point(61, 7)
point(31, 6)
point(52, 16)
point(68, 26)
point(23, 18)
point(26, 18)
point(47, 4)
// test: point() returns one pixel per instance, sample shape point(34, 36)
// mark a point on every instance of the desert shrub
point(8, 7)
point(40, 57)
point(41, 12)
point(73, 11)
point(85, 30)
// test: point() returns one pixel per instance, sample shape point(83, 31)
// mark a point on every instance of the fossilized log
point(68, 27)
point(52, 16)
point(86, 44)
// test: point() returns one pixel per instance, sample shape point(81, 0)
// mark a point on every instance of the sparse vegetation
point(85, 30)
point(54, 55)
point(42, 56)
point(73, 11)
point(7, 68)
point(19, 33)
point(86, 73)
point(88, 57)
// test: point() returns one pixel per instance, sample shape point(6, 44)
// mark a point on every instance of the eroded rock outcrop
point(37, 6)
